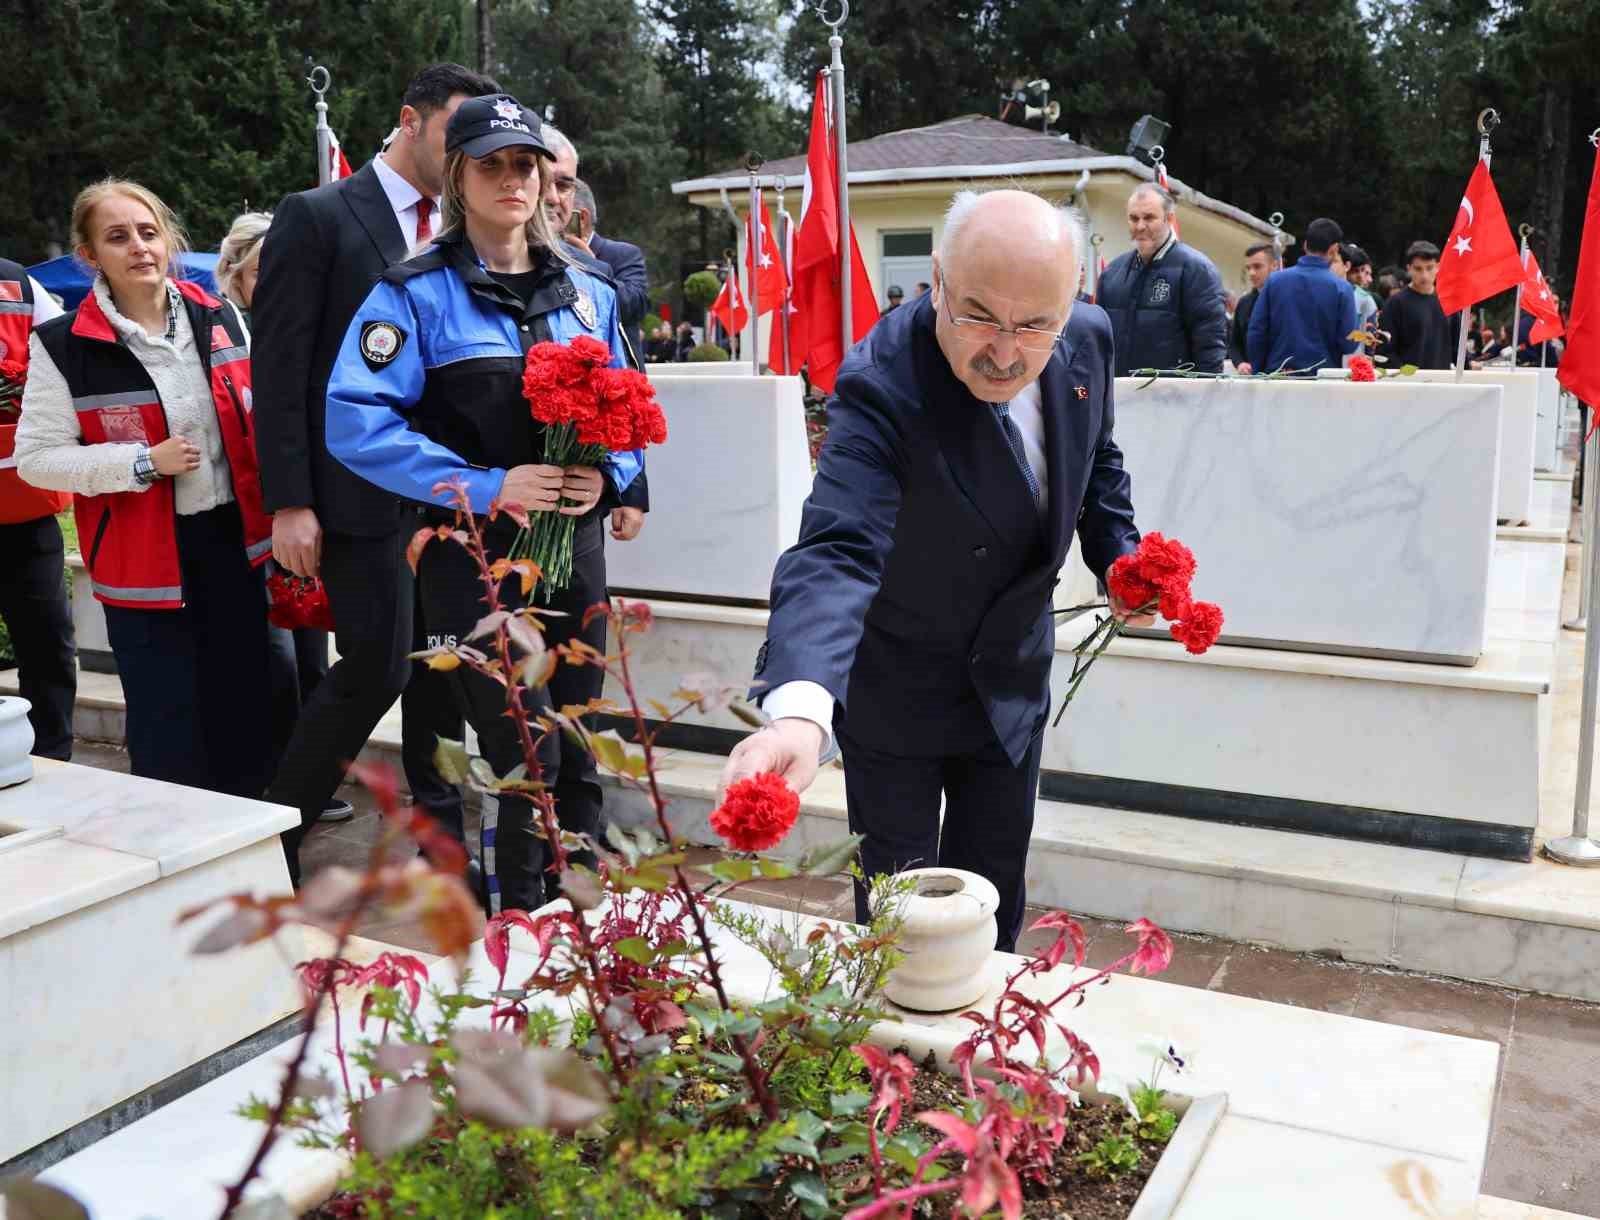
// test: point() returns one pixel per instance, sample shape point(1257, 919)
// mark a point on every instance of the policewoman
point(428, 388)
point(139, 404)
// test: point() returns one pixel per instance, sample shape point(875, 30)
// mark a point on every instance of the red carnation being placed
point(1200, 627)
point(756, 813)
point(1362, 369)
point(1157, 574)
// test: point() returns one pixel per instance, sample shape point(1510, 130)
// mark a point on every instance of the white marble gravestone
point(1547, 437)
point(99, 996)
point(1326, 517)
point(725, 489)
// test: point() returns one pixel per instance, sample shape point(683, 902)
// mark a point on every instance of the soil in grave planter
point(1071, 1194)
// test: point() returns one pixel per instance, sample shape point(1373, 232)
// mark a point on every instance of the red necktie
point(424, 210)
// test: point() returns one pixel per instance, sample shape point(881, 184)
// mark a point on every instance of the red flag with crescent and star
point(1538, 300)
point(1580, 363)
point(729, 307)
point(764, 262)
point(1480, 259)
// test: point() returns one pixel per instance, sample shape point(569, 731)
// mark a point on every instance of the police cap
point(482, 125)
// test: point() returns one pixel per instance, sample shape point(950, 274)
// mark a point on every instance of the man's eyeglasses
point(984, 330)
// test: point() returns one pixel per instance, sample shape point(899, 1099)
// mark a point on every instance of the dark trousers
point(428, 711)
point(196, 678)
point(369, 590)
point(515, 859)
point(298, 660)
point(33, 603)
point(988, 818)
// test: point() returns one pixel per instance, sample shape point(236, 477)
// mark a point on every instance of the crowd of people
point(1169, 310)
point(365, 346)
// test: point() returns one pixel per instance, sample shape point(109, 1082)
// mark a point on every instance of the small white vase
point(16, 741)
point(948, 938)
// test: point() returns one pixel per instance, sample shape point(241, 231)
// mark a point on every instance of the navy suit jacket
point(631, 279)
point(919, 591)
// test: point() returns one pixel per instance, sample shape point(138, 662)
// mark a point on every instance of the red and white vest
point(128, 538)
point(18, 500)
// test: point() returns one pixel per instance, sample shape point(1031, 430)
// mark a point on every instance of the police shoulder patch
point(380, 343)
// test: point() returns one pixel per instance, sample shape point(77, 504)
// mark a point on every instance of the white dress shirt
point(403, 198)
point(811, 701)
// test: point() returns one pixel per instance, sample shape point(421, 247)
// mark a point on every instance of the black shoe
point(337, 811)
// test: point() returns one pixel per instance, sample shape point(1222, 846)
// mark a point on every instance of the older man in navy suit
point(968, 437)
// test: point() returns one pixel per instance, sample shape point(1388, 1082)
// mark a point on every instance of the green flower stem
point(1107, 630)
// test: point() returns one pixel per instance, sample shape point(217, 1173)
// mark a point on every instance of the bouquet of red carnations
point(589, 409)
point(1154, 579)
point(296, 601)
point(13, 376)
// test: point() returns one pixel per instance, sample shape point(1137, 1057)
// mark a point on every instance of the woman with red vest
point(139, 403)
point(33, 591)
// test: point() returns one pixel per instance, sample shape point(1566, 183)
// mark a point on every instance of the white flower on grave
point(1166, 1054)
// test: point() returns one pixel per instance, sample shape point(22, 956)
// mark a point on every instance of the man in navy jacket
point(1164, 298)
point(969, 435)
point(1304, 316)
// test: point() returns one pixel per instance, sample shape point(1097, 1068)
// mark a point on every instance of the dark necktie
point(424, 211)
point(1002, 411)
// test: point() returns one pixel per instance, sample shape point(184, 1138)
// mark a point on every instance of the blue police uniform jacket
point(427, 387)
point(919, 592)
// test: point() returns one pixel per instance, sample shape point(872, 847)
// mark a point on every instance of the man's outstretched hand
point(790, 746)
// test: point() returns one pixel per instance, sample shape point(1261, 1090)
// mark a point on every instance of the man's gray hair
point(584, 200)
point(1069, 223)
point(556, 142)
point(1169, 202)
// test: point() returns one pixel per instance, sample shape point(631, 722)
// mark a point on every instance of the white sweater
point(50, 449)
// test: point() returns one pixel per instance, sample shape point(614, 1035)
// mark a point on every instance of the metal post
point(841, 156)
point(1096, 240)
point(324, 132)
point(1516, 310)
point(752, 260)
point(1591, 502)
point(788, 271)
point(1276, 221)
point(1577, 848)
point(1488, 120)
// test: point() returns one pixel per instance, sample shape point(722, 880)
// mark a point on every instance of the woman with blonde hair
point(427, 389)
point(139, 403)
point(240, 259)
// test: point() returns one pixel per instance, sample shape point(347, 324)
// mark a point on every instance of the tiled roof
point(971, 139)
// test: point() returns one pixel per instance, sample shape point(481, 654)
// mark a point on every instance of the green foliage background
point(1361, 109)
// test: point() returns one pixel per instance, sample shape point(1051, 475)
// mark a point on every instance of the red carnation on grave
point(1200, 627)
point(1362, 369)
point(756, 813)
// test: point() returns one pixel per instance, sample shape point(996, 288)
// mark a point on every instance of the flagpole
point(788, 273)
point(1578, 848)
point(1523, 230)
point(1488, 120)
point(1096, 240)
point(324, 132)
point(752, 260)
point(1276, 221)
point(841, 170)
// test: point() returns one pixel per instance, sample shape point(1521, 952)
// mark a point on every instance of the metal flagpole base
point(1578, 852)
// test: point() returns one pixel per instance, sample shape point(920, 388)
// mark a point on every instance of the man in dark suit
point(319, 261)
point(968, 436)
point(625, 260)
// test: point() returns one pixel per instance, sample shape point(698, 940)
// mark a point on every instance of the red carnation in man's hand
point(1128, 585)
point(1362, 369)
point(756, 813)
point(1199, 628)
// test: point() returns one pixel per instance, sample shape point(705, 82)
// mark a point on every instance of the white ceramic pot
point(948, 938)
point(16, 741)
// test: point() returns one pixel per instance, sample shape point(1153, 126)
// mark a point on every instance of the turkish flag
point(338, 165)
point(1580, 363)
point(764, 263)
point(1480, 259)
point(729, 307)
point(816, 325)
point(1538, 300)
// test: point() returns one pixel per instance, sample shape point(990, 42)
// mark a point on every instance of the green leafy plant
point(700, 288)
point(708, 353)
point(605, 1068)
point(1112, 1156)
